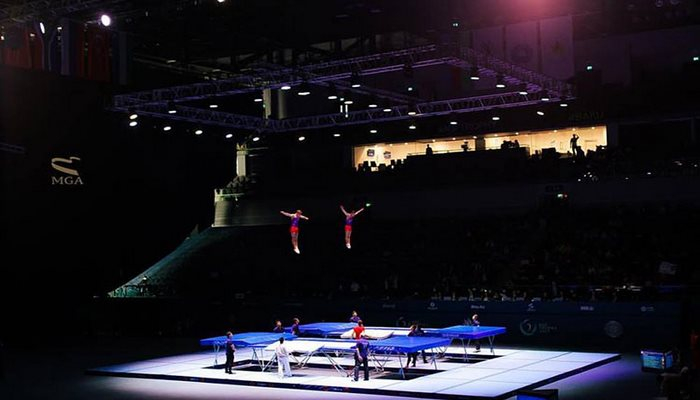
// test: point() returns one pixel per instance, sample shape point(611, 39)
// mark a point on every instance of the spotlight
point(412, 126)
point(256, 138)
point(355, 80)
point(589, 67)
point(198, 132)
point(106, 20)
point(372, 105)
point(495, 118)
point(229, 135)
point(336, 135)
point(171, 108)
point(544, 96)
point(42, 28)
point(348, 102)
point(500, 83)
point(133, 116)
point(522, 93)
point(301, 138)
point(563, 104)
point(540, 113)
point(220, 1)
point(167, 128)
point(373, 131)
point(285, 87)
point(133, 123)
point(213, 106)
point(332, 92)
point(453, 122)
point(387, 109)
point(696, 58)
point(304, 89)
point(258, 98)
point(474, 73)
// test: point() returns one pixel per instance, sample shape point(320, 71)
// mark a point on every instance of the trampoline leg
point(491, 343)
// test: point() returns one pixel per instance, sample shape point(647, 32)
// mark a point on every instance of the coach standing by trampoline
point(230, 349)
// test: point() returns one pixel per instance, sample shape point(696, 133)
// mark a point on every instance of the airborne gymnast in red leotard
point(294, 227)
point(349, 216)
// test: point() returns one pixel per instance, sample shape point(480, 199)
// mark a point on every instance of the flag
point(121, 53)
point(15, 47)
point(521, 45)
point(36, 47)
point(72, 48)
point(557, 47)
point(98, 60)
point(489, 41)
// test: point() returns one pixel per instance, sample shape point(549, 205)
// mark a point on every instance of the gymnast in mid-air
point(294, 227)
point(349, 216)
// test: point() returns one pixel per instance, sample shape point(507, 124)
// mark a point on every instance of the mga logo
point(69, 173)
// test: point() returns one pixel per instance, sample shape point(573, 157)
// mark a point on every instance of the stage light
point(373, 131)
point(412, 126)
point(348, 102)
point(229, 135)
point(522, 93)
point(589, 67)
point(301, 138)
point(332, 92)
point(453, 122)
point(474, 73)
point(696, 59)
point(133, 116)
point(213, 106)
point(495, 118)
point(42, 28)
point(544, 96)
point(304, 89)
point(256, 138)
point(198, 132)
point(372, 105)
point(167, 128)
point(171, 108)
point(285, 87)
point(540, 113)
point(133, 123)
point(387, 109)
point(355, 80)
point(500, 83)
point(410, 88)
point(368, 204)
point(336, 135)
point(220, 1)
point(258, 98)
point(106, 20)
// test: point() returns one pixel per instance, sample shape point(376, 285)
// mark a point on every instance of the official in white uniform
point(283, 368)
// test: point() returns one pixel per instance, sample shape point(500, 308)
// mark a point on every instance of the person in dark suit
point(475, 323)
point(295, 327)
point(230, 350)
point(361, 359)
